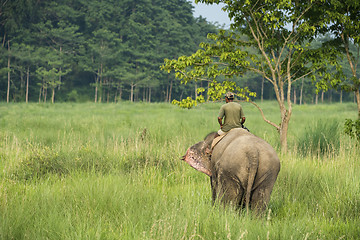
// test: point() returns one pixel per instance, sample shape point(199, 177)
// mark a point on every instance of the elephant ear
point(209, 139)
point(197, 160)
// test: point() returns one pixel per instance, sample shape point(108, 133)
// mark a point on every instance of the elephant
point(242, 168)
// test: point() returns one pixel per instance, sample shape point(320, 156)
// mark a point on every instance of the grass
point(112, 171)
point(320, 138)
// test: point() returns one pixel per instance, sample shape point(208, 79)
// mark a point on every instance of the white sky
point(212, 13)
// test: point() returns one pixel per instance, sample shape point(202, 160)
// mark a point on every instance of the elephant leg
point(230, 192)
point(261, 197)
point(213, 189)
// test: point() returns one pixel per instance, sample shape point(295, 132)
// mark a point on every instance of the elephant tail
point(253, 167)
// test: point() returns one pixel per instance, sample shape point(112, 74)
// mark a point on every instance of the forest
point(108, 51)
point(80, 50)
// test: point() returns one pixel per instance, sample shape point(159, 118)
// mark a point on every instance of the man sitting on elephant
point(233, 113)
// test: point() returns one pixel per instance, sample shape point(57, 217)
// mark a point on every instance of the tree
point(113, 45)
point(50, 71)
point(343, 23)
point(50, 79)
point(24, 56)
point(104, 47)
point(15, 17)
point(280, 33)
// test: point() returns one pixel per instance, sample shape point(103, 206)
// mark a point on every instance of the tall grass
point(112, 171)
point(320, 137)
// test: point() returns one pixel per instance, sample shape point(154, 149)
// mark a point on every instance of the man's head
point(229, 96)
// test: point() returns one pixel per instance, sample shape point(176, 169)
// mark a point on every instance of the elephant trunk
point(197, 161)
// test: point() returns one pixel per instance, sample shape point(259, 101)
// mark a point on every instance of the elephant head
point(198, 156)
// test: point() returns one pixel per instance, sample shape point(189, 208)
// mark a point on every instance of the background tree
point(280, 33)
point(22, 63)
point(104, 47)
point(166, 28)
point(71, 28)
point(342, 18)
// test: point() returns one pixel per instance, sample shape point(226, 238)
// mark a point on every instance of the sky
point(212, 13)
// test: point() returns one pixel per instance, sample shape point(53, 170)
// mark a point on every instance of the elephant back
point(238, 145)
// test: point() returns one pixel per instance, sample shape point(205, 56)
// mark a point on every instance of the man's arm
point(242, 116)
point(243, 120)
point(220, 121)
point(221, 116)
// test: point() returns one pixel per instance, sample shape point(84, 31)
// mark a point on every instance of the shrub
point(39, 161)
point(352, 128)
point(42, 161)
point(320, 138)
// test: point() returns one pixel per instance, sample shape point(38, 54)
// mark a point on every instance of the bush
point(42, 161)
point(352, 128)
point(38, 162)
point(320, 138)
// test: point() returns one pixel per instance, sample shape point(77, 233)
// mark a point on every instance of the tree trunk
point(8, 87)
point(45, 93)
point(208, 86)
point(144, 97)
point(285, 112)
point(167, 93)
point(101, 90)
point(301, 91)
point(149, 94)
point(322, 97)
point(132, 92)
point(96, 93)
point(96, 87)
point(196, 91)
point(40, 94)
point(100, 83)
point(27, 85)
point(170, 90)
point(262, 89)
point(60, 71)
point(53, 95)
point(353, 67)
point(341, 96)
point(357, 95)
point(120, 94)
point(317, 99)
point(285, 119)
point(294, 96)
point(21, 85)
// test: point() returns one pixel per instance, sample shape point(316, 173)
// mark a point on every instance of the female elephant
point(242, 168)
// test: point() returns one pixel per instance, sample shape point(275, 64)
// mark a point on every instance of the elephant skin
point(242, 167)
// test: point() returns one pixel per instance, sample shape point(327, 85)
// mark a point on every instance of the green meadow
point(113, 171)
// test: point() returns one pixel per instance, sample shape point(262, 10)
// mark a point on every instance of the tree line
point(106, 51)
point(90, 50)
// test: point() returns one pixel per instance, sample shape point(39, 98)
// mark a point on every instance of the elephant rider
point(233, 113)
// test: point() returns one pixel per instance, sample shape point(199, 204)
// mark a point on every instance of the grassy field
point(113, 171)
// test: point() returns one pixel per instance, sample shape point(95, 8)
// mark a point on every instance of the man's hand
point(243, 120)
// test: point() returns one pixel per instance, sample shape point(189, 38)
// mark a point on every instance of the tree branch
point(263, 116)
point(306, 74)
